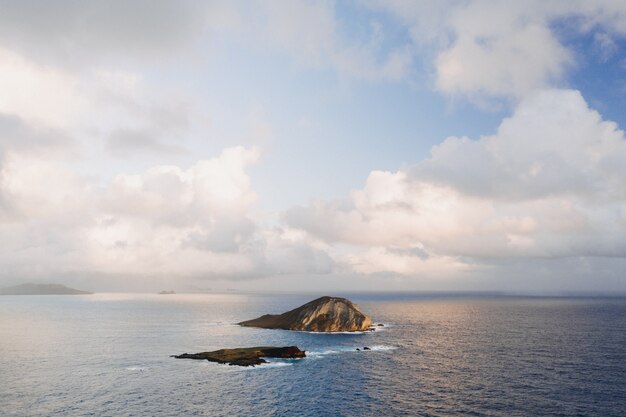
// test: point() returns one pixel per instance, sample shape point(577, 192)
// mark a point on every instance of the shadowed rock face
point(245, 356)
point(325, 314)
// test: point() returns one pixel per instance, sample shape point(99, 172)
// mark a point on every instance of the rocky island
point(41, 289)
point(325, 314)
point(246, 356)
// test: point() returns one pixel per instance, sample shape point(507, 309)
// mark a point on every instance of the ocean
point(437, 355)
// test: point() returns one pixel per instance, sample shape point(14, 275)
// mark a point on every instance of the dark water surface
point(108, 355)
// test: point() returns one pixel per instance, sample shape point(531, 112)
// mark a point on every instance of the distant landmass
point(41, 289)
point(165, 292)
point(325, 314)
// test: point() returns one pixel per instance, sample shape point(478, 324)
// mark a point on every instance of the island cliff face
point(325, 314)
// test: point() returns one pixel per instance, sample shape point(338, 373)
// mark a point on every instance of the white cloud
point(479, 49)
point(405, 261)
point(17, 135)
point(502, 64)
point(553, 145)
point(178, 222)
point(164, 222)
point(53, 97)
point(38, 93)
point(314, 35)
point(548, 184)
point(118, 108)
point(501, 49)
point(290, 252)
point(78, 35)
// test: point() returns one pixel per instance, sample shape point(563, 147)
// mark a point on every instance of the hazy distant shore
point(41, 289)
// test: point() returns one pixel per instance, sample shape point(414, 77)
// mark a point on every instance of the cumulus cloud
point(500, 49)
point(77, 66)
point(37, 93)
point(169, 220)
point(118, 108)
point(17, 135)
point(164, 222)
point(64, 84)
point(485, 49)
point(478, 49)
point(548, 184)
point(50, 96)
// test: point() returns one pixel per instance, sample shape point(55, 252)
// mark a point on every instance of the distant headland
point(41, 289)
point(325, 314)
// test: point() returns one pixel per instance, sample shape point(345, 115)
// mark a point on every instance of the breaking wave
point(349, 349)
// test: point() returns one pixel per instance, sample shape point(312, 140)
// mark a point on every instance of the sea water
point(109, 355)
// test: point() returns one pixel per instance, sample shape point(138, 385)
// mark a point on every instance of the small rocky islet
point(246, 356)
point(323, 315)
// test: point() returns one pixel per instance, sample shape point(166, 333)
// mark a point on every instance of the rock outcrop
point(246, 356)
point(325, 314)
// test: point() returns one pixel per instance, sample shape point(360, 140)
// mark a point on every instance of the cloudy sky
point(314, 145)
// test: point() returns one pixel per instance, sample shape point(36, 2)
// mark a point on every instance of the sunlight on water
point(109, 354)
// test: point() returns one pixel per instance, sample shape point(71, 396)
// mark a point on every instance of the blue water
point(108, 355)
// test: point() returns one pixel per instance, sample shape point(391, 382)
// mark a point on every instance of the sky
point(293, 145)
